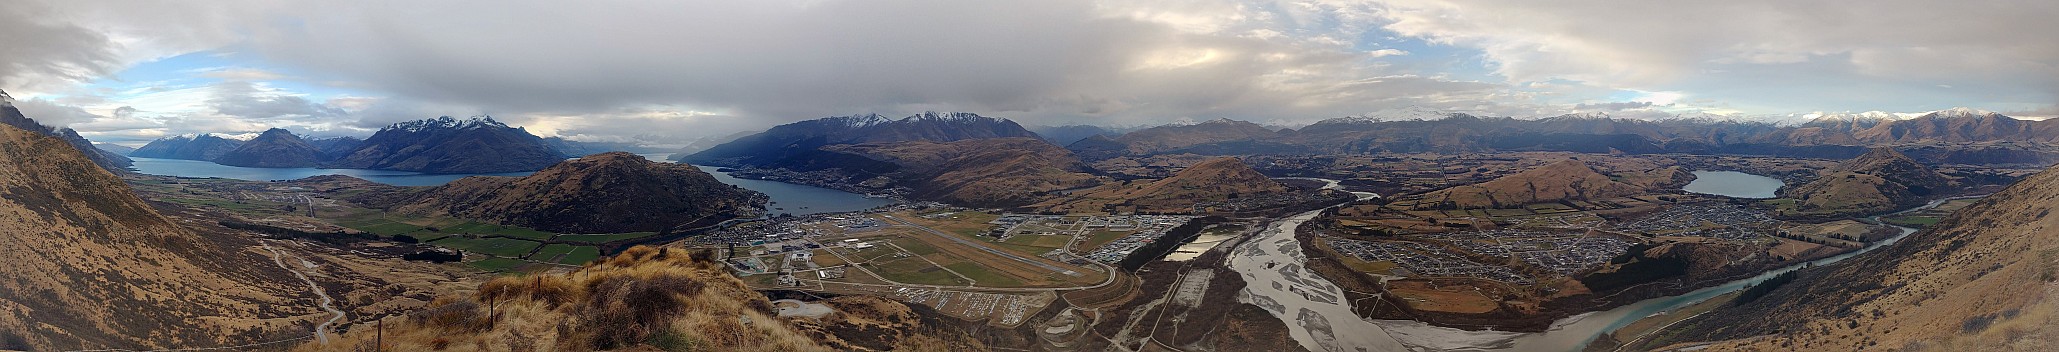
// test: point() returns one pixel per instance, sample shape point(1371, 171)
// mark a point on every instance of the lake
point(795, 199)
point(800, 199)
point(196, 168)
point(1734, 184)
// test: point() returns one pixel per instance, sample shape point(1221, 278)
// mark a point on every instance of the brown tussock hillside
point(1215, 180)
point(89, 265)
point(600, 193)
point(646, 298)
point(1563, 180)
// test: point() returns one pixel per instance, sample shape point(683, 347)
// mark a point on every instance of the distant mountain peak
point(948, 116)
point(6, 100)
point(1964, 112)
point(857, 121)
point(447, 122)
point(1410, 113)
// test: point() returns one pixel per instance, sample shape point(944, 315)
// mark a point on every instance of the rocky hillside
point(92, 266)
point(651, 299)
point(1881, 180)
point(603, 193)
point(11, 116)
point(1983, 279)
point(204, 147)
point(799, 138)
point(1563, 180)
point(994, 172)
point(1216, 180)
point(274, 148)
point(448, 145)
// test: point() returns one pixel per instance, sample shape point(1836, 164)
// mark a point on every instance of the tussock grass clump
point(645, 298)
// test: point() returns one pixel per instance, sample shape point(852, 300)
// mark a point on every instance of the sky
point(666, 72)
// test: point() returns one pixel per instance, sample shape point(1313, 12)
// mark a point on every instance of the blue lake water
point(801, 199)
point(1734, 184)
point(787, 198)
point(196, 168)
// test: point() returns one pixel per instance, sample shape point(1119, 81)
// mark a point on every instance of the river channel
point(1319, 320)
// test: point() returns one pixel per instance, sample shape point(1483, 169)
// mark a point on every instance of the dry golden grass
point(643, 299)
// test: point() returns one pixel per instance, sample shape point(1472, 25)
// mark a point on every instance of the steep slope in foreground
point(1563, 180)
point(448, 145)
point(647, 299)
point(601, 193)
point(1216, 180)
point(1881, 180)
point(274, 148)
point(994, 172)
point(1984, 279)
point(91, 266)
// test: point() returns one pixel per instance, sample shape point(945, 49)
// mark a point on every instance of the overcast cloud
point(666, 72)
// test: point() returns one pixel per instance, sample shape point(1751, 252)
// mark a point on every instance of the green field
point(916, 271)
point(1097, 238)
point(480, 228)
point(914, 246)
point(1038, 240)
point(604, 238)
point(551, 251)
point(983, 275)
point(580, 255)
point(381, 226)
point(498, 264)
point(500, 247)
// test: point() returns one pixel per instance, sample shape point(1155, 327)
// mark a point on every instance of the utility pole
point(379, 343)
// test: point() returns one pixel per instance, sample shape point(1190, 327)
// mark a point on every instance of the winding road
point(329, 304)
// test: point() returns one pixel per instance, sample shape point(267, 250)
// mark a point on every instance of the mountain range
point(274, 148)
point(449, 145)
point(805, 137)
point(439, 145)
point(1829, 136)
point(204, 147)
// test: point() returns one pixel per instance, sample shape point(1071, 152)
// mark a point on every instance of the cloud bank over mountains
point(662, 72)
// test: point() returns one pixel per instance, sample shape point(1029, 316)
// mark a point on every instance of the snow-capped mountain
point(449, 145)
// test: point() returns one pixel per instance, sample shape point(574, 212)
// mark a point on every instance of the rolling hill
point(1881, 180)
point(610, 192)
point(1563, 180)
